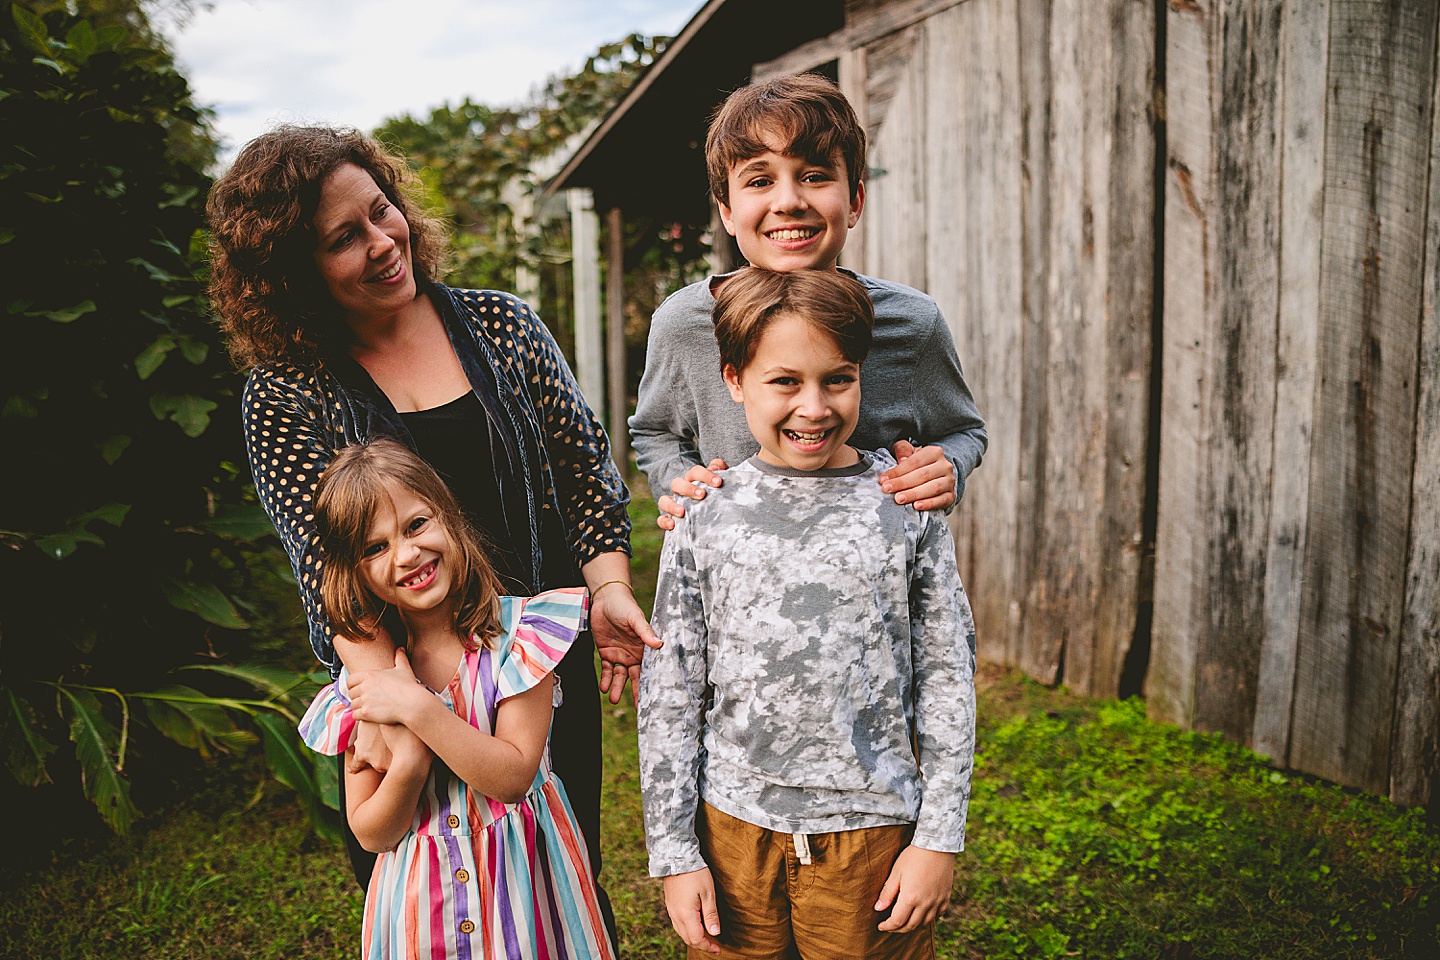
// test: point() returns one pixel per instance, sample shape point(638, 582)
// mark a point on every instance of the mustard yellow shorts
point(775, 907)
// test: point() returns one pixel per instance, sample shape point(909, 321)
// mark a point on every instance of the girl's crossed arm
point(381, 805)
point(501, 767)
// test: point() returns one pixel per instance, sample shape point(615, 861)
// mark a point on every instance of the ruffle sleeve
point(328, 725)
point(539, 633)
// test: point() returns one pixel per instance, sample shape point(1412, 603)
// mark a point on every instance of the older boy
point(786, 162)
point(815, 689)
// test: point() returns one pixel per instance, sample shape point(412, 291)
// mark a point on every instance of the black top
point(562, 497)
point(458, 440)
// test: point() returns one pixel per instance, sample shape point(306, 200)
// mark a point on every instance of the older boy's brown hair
point(347, 497)
point(808, 112)
point(829, 300)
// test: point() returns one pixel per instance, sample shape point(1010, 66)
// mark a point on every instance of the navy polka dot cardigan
point(558, 455)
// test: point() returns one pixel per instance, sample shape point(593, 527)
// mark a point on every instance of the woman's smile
point(362, 247)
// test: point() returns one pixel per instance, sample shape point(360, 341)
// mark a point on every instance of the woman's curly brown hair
point(273, 304)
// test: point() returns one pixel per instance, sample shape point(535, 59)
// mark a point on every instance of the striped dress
point(475, 878)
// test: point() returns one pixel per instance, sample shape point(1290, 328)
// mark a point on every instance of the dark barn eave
point(647, 155)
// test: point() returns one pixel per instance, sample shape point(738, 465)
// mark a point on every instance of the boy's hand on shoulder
point(688, 487)
point(918, 887)
point(924, 477)
point(694, 911)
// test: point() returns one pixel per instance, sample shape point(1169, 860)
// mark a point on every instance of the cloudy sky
point(356, 62)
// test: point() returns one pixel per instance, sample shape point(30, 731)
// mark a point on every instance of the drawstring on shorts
point(802, 847)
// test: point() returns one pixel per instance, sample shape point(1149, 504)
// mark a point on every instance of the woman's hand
point(621, 635)
point(621, 631)
point(688, 487)
point(924, 477)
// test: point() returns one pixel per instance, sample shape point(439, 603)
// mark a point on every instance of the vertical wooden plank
point(1032, 19)
point(1087, 351)
point(1191, 265)
point(898, 179)
point(1247, 143)
point(1060, 601)
point(1304, 34)
point(975, 270)
point(585, 262)
point(1129, 297)
point(853, 83)
point(1415, 755)
point(1382, 74)
point(617, 376)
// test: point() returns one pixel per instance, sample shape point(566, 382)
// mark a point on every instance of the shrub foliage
point(128, 535)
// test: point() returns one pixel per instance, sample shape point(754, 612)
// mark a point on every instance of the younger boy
point(786, 162)
point(807, 731)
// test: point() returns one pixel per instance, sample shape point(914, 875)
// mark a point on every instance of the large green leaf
point(71, 314)
point(62, 543)
point(239, 522)
point(112, 448)
point(25, 748)
point(192, 413)
point(111, 513)
point(158, 274)
point(190, 718)
point(32, 30)
point(204, 600)
point(153, 356)
point(279, 683)
point(292, 765)
point(327, 780)
point(97, 748)
point(82, 41)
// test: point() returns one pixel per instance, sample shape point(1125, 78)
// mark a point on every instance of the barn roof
point(647, 155)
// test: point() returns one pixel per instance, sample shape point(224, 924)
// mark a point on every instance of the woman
point(323, 275)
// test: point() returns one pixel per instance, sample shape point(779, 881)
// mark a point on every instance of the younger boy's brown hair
point(808, 112)
point(829, 300)
point(347, 497)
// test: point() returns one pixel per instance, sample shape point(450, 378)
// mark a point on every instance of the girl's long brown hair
point(348, 496)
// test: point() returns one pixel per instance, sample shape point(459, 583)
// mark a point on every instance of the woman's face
point(362, 247)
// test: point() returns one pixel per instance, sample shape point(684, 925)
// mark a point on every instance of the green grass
point(1092, 833)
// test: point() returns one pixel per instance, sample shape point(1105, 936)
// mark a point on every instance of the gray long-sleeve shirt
point(911, 388)
point(811, 625)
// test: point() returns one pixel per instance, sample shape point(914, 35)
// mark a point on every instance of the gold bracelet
point(608, 582)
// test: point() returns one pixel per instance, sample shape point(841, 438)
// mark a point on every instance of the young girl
point(480, 855)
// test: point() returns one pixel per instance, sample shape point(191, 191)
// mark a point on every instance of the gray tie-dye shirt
point(811, 625)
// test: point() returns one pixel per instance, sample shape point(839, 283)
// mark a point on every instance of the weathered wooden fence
point(1290, 297)
point(1298, 577)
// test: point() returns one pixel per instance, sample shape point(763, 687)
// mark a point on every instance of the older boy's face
point(788, 213)
point(801, 396)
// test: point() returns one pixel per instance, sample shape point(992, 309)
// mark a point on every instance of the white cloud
point(356, 62)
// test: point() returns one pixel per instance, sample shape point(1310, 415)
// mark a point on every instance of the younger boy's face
point(789, 213)
point(801, 396)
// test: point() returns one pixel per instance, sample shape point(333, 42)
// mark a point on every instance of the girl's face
point(407, 555)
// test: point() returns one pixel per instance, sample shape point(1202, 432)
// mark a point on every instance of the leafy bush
point(128, 534)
